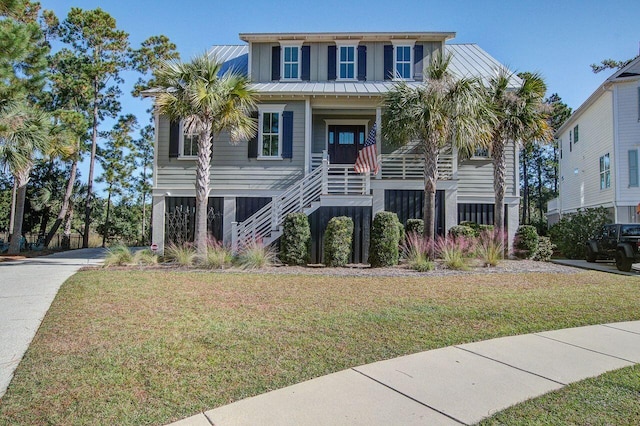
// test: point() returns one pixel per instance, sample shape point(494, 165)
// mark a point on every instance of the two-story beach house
point(319, 95)
point(599, 144)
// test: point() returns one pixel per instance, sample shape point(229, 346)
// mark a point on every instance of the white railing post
point(345, 180)
point(367, 184)
point(275, 207)
point(325, 176)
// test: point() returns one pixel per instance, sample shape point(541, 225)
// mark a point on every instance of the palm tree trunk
point(65, 203)
point(12, 217)
point(203, 178)
point(94, 145)
point(499, 176)
point(430, 183)
point(21, 179)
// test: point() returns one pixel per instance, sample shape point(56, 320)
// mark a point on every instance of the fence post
point(325, 175)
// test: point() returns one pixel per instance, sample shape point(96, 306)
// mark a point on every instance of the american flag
point(368, 157)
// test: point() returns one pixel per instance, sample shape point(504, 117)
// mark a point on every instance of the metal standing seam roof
point(468, 60)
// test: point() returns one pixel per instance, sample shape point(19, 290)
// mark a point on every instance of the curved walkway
point(27, 288)
point(450, 386)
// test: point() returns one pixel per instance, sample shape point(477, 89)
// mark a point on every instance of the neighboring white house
point(319, 95)
point(598, 145)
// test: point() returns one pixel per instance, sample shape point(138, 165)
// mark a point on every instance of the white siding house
point(599, 151)
point(322, 93)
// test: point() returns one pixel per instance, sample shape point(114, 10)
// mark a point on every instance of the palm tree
point(521, 118)
point(443, 111)
point(24, 132)
point(207, 103)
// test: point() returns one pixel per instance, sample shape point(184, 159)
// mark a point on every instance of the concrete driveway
point(27, 288)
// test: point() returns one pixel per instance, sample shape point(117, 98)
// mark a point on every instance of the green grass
point(610, 399)
point(150, 347)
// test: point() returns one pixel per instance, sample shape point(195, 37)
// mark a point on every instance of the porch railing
point(403, 165)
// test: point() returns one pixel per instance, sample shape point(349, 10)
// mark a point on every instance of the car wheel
point(590, 256)
point(623, 263)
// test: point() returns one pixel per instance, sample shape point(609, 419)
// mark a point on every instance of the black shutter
point(418, 65)
point(174, 139)
point(306, 63)
point(362, 63)
point(287, 134)
point(253, 142)
point(388, 62)
point(331, 63)
point(275, 63)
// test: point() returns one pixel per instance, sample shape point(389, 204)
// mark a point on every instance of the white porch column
point(229, 216)
point(157, 236)
point(450, 208)
point(307, 135)
point(377, 201)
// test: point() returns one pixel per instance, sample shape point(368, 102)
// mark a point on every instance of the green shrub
point(477, 228)
point(295, 242)
point(183, 254)
point(572, 232)
point(385, 240)
point(256, 255)
point(525, 243)
point(337, 241)
point(462, 231)
point(415, 225)
point(545, 250)
point(118, 256)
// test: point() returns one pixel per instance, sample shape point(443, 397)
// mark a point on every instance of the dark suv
point(617, 242)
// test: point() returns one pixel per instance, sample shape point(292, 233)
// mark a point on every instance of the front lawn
point(150, 347)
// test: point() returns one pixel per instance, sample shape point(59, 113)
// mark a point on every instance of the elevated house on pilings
point(319, 95)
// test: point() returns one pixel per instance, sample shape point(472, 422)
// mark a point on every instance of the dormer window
point(347, 60)
point(291, 55)
point(403, 59)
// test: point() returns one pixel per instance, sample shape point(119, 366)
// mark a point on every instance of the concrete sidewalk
point(27, 288)
point(455, 385)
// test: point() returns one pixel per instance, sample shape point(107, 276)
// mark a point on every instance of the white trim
point(249, 61)
point(290, 43)
point(308, 118)
point(403, 43)
point(270, 108)
point(354, 45)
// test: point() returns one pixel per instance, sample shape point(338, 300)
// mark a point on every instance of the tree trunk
point(431, 153)
point(66, 235)
point(525, 188)
point(105, 232)
point(21, 179)
point(12, 214)
point(540, 185)
point(203, 169)
point(65, 203)
point(499, 176)
point(94, 145)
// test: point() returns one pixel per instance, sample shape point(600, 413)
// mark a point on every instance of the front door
point(344, 143)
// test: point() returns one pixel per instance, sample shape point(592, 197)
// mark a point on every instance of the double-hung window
point(188, 142)
point(347, 62)
point(403, 59)
point(291, 56)
point(605, 172)
point(270, 131)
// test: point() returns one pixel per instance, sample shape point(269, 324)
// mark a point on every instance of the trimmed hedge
point(337, 241)
point(385, 240)
point(525, 243)
point(415, 225)
point(573, 231)
point(462, 231)
point(295, 242)
point(545, 250)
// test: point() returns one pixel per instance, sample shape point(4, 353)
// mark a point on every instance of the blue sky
point(558, 39)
